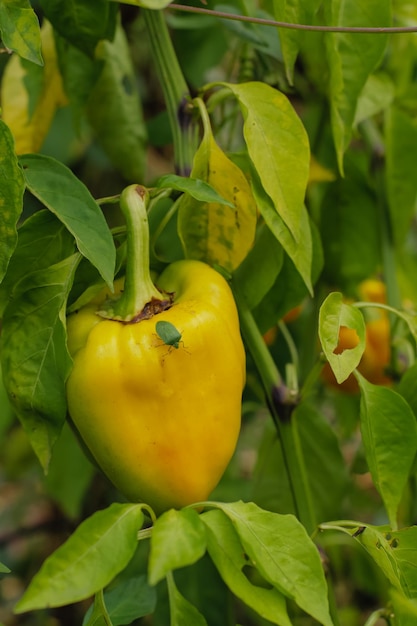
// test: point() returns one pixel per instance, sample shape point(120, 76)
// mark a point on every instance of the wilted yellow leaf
point(30, 129)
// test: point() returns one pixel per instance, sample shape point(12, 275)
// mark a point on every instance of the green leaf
point(94, 554)
point(198, 189)
point(401, 153)
point(407, 387)
point(203, 587)
point(19, 28)
point(42, 241)
point(148, 4)
point(394, 552)
point(99, 615)
point(289, 289)
point(67, 197)
point(7, 416)
point(278, 147)
point(69, 474)
point(183, 613)
point(34, 82)
point(376, 96)
point(410, 319)
point(284, 555)
point(32, 95)
point(259, 270)
point(128, 601)
point(348, 216)
point(34, 355)
point(405, 610)
point(4, 569)
point(373, 539)
point(261, 36)
point(389, 434)
point(334, 315)
point(214, 232)
point(232, 563)
point(82, 22)
point(403, 544)
point(79, 72)
point(114, 109)
point(11, 197)
point(327, 475)
point(294, 12)
point(300, 255)
point(178, 539)
point(351, 58)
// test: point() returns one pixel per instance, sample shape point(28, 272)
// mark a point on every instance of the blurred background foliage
point(36, 512)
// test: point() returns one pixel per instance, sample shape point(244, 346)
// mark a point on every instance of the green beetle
point(170, 335)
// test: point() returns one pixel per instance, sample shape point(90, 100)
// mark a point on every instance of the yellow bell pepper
point(158, 406)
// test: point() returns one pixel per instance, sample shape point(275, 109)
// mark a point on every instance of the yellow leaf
point(216, 233)
point(29, 130)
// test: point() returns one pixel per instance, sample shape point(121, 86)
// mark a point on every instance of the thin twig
point(311, 27)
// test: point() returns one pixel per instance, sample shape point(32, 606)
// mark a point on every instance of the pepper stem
point(140, 298)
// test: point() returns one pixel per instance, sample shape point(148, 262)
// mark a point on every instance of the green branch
point(175, 90)
point(281, 403)
point(375, 30)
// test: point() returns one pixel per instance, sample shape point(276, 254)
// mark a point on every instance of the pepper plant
point(271, 148)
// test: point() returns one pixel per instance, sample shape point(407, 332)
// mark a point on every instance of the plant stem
point(140, 298)
point(176, 93)
point(376, 30)
point(281, 404)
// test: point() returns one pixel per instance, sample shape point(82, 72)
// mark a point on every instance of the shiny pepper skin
point(161, 420)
